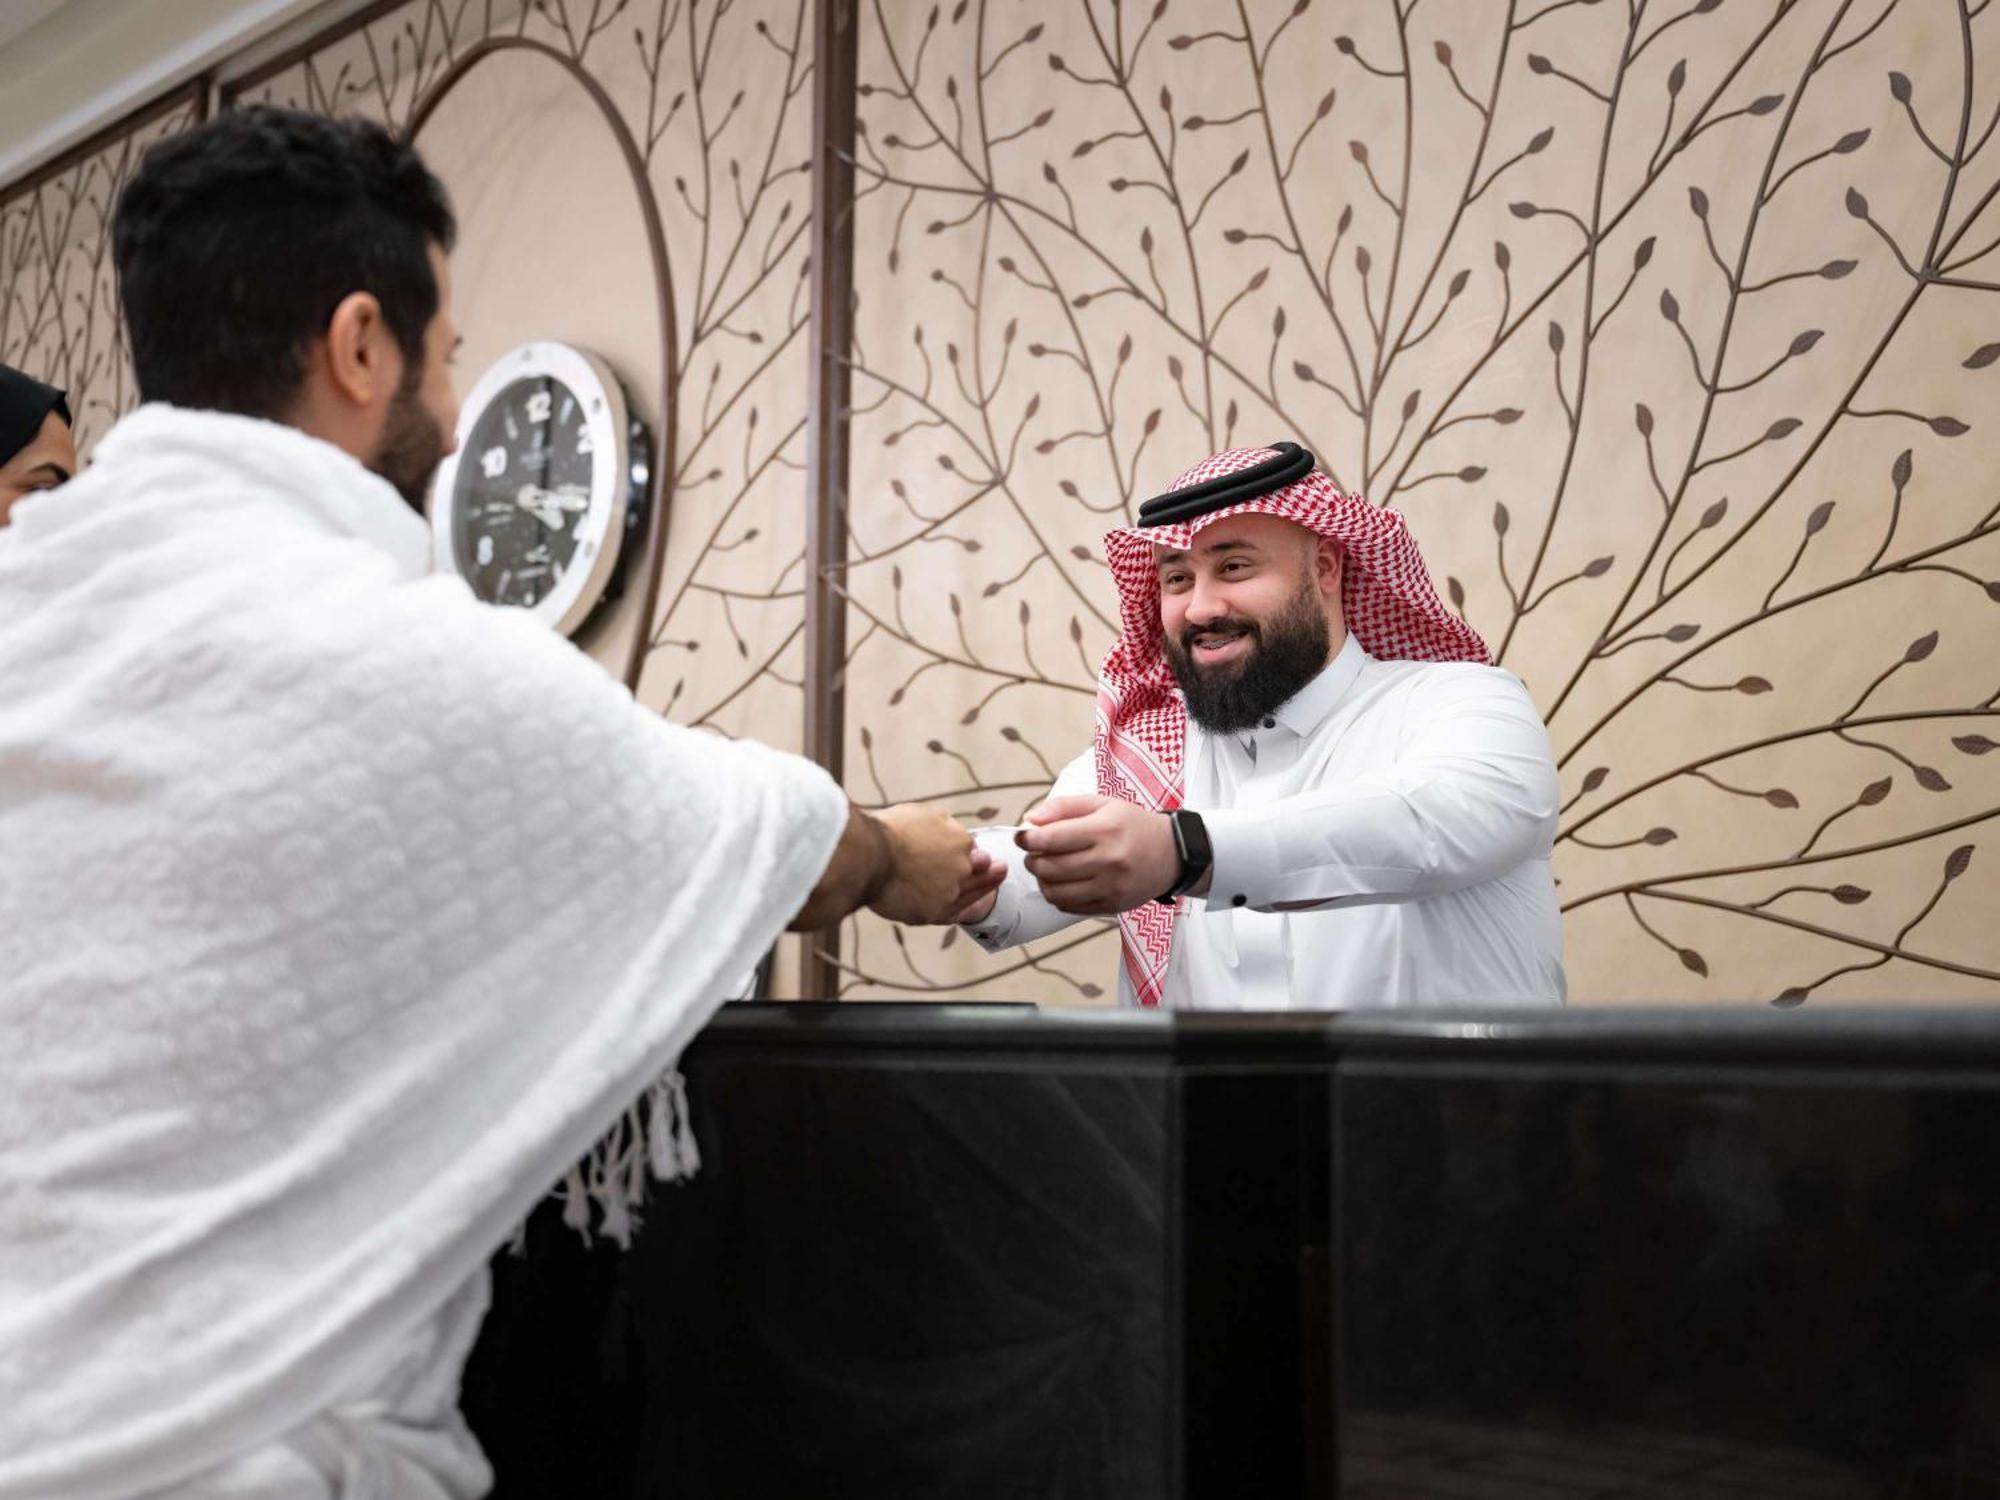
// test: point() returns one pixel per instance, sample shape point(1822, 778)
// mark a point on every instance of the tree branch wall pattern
point(58, 289)
point(1669, 323)
point(1664, 321)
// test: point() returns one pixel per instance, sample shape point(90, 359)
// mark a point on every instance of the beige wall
point(1098, 241)
point(1094, 242)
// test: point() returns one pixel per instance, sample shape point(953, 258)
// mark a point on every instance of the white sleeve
point(1020, 914)
point(1472, 794)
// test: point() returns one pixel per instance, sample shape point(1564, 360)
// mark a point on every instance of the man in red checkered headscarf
point(1308, 786)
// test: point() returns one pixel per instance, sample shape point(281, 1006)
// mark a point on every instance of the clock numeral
point(494, 462)
point(539, 405)
point(483, 552)
point(583, 442)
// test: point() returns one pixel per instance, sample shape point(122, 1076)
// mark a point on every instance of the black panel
point(1257, 1354)
point(978, 1251)
point(557, 1386)
point(909, 1281)
point(1755, 1281)
point(891, 1278)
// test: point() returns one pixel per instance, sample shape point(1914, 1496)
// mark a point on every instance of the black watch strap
point(1197, 854)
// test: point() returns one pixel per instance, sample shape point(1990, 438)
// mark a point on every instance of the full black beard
point(1286, 653)
point(412, 443)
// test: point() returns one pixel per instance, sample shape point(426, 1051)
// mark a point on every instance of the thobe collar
point(1300, 715)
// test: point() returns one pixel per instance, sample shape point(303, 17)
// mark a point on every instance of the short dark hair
point(236, 241)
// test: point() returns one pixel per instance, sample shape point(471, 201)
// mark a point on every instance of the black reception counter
point(990, 1251)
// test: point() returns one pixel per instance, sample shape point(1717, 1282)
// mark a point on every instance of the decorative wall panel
point(58, 291)
point(1669, 323)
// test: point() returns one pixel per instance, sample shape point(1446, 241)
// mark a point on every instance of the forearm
point(861, 865)
point(1375, 841)
point(1473, 795)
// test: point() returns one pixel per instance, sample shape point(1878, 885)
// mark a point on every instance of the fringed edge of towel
point(605, 1193)
point(655, 1138)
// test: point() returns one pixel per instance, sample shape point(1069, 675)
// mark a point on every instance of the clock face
point(522, 492)
point(550, 472)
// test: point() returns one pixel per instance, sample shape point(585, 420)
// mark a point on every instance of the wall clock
point(545, 498)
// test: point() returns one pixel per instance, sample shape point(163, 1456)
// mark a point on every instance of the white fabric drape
point(342, 913)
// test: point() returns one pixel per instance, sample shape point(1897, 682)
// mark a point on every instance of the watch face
point(521, 492)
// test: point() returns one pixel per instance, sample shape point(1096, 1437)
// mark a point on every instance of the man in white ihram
point(1308, 789)
point(342, 912)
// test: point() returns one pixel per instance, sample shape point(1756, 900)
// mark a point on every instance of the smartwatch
point(1191, 841)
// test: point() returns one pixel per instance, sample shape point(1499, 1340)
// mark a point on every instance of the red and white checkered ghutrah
point(1386, 597)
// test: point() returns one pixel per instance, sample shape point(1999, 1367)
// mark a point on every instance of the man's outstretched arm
point(1013, 911)
point(909, 863)
point(1472, 794)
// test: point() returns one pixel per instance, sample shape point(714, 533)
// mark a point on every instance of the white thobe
point(1381, 839)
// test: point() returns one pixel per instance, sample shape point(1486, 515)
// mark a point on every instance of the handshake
point(923, 866)
point(1091, 856)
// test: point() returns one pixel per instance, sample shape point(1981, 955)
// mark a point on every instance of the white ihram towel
point(339, 914)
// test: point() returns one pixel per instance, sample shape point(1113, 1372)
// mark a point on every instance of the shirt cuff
point(995, 932)
point(1245, 871)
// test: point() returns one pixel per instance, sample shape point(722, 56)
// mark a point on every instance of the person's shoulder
point(1438, 674)
point(1446, 682)
point(495, 652)
point(372, 645)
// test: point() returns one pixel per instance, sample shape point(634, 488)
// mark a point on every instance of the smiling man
point(1308, 788)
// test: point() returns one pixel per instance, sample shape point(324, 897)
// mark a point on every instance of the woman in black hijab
point(36, 449)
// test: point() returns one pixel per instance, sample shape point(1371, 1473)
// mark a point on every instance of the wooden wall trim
point(831, 326)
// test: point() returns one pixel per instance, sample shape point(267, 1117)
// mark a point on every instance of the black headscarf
point(25, 404)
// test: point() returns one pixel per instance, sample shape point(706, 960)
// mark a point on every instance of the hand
point(932, 860)
point(1096, 856)
point(977, 895)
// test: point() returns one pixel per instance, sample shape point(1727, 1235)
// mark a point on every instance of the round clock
point(547, 487)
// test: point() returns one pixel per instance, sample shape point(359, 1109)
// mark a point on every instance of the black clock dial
point(522, 492)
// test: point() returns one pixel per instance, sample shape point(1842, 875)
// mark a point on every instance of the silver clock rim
point(569, 603)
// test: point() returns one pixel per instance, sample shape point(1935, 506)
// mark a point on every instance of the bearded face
point(413, 443)
point(1236, 670)
point(419, 428)
point(1246, 617)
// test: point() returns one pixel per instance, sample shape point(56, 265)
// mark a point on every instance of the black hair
point(25, 403)
point(236, 241)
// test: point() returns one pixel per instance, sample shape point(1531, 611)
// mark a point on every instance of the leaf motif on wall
point(1621, 382)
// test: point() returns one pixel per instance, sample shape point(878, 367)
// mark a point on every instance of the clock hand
point(567, 497)
point(542, 505)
